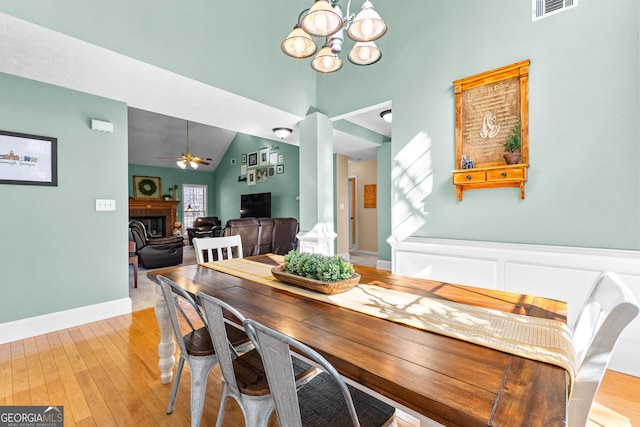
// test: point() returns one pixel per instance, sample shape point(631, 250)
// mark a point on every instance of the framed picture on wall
point(263, 157)
point(244, 158)
point(280, 169)
point(252, 159)
point(28, 159)
point(251, 177)
point(147, 187)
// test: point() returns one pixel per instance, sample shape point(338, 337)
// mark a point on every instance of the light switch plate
point(105, 205)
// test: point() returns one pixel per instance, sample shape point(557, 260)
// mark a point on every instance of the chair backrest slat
point(215, 317)
point(275, 350)
point(218, 246)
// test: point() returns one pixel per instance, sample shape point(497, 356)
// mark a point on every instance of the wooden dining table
point(428, 375)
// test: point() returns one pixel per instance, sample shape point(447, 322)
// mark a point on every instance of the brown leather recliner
point(155, 252)
point(266, 235)
point(205, 226)
point(249, 231)
point(284, 237)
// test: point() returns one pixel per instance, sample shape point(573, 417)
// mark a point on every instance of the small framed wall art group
point(259, 166)
point(492, 126)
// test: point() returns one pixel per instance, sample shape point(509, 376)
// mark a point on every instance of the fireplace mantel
point(155, 207)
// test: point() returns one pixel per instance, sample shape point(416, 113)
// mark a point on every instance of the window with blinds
point(194, 203)
point(544, 8)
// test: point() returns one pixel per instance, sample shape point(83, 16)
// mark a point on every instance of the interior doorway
point(352, 194)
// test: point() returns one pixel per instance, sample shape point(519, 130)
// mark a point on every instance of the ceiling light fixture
point(282, 133)
point(324, 19)
point(386, 116)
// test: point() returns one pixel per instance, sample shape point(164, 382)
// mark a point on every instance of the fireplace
point(155, 225)
point(157, 215)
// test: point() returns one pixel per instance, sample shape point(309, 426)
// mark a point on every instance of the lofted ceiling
point(154, 137)
point(157, 117)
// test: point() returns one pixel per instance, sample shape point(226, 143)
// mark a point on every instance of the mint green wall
point(58, 253)
point(584, 109)
point(233, 45)
point(172, 176)
point(283, 187)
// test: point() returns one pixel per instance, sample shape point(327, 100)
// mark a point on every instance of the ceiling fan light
point(193, 165)
point(282, 133)
point(299, 44)
point(182, 164)
point(367, 25)
point(321, 20)
point(326, 61)
point(365, 53)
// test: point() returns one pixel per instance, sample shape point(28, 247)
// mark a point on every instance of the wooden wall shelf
point(488, 106)
point(490, 177)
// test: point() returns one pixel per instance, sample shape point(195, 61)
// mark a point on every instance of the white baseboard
point(38, 325)
point(383, 265)
point(561, 273)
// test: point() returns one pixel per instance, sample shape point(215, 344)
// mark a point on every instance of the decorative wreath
point(147, 187)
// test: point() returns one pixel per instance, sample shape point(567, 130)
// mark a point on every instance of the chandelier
point(324, 19)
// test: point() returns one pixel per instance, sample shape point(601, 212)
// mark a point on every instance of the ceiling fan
point(188, 158)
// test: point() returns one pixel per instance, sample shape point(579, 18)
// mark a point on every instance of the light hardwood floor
point(105, 374)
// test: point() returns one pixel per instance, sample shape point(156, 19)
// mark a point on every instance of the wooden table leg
point(167, 346)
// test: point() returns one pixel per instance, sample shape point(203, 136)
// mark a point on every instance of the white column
point(317, 233)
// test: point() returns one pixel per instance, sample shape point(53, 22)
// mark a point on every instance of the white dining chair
point(243, 375)
point(206, 247)
point(609, 308)
point(326, 400)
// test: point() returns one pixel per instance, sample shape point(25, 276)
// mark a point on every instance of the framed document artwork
point(28, 159)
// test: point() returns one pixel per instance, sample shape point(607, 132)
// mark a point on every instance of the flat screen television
point(256, 205)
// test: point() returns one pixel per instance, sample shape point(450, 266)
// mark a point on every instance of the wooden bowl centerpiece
point(320, 273)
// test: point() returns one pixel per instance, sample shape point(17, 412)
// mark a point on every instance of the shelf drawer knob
point(504, 174)
point(468, 177)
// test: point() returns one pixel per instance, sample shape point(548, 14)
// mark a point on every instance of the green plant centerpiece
point(321, 273)
point(512, 145)
point(319, 267)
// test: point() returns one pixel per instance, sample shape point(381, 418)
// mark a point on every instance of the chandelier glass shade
point(368, 25)
point(299, 44)
point(365, 53)
point(324, 19)
point(321, 20)
point(326, 61)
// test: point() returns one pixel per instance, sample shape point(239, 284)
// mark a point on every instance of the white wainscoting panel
point(561, 273)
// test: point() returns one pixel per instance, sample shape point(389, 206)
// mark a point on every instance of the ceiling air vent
point(544, 8)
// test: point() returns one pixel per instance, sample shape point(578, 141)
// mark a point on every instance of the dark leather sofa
point(264, 235)
point(155, 252)
point(205, 226)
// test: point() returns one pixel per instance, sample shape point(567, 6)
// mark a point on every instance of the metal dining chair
point(196, 348)
point(609, 308)
point(215, 248)
point(244, 377)
point(325, 400)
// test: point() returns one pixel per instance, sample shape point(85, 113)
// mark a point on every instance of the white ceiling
point(38, 53)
